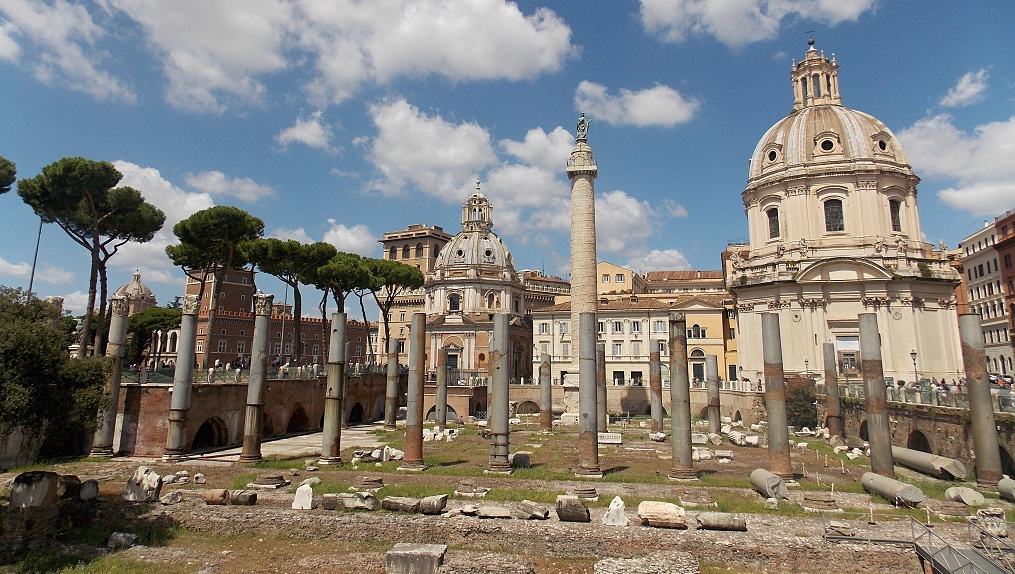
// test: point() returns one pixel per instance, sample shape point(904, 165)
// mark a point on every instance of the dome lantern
point(477, 212)
point(815, 80)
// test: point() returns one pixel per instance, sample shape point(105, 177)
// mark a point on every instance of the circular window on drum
point(827, 145)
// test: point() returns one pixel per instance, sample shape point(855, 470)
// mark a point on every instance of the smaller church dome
point(477, 246)
point(138, 294)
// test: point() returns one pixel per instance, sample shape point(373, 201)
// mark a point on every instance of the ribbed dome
point(821, 138)
point(136, 290)
point(477, 246)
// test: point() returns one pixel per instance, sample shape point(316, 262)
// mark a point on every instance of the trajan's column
point(581, 170)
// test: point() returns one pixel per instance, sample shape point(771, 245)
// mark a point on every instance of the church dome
point(477, 246)
point(139, 296)
point(821, 136)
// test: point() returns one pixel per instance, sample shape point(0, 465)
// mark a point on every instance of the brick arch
point(528, 408)
point(863, 430)
point(212, 433)
point(298, 420)
point(918, 441)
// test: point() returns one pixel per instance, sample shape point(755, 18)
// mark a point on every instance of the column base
point(499, 467)
point(413, 467)
point(683, 475)
point(174, 457)
point(329, 461)
point(251, 459)
point(105, 452)
point(390, 428)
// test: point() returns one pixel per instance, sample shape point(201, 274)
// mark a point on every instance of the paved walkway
point(309, 445)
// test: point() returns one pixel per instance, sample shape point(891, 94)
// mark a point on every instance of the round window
point(883, 145)
point(488, 253)
point(772, 155)
point(827, 145)
point(460, 253)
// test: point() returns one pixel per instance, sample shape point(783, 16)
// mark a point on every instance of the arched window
point(454, 302)
point(419, 250)
point(393, 253)
point(894, 209)
point(489, 300)
point(773, 222)
point(817, 86)
point(833, 215)
point(405, 252)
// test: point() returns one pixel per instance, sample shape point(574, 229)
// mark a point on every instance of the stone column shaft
point(981, 407)
point(775, 397)
point(499, 404)
point(331, 445)
point(680, 401)
point(712, 392)
point(833, 408)
point(655, 385)
point(253, 423)
point(879, 430)
point(545, 395)
point(391, 392)
point(588, 423)
point(441, 405)
point(102, 444)
point(183, 378)
point(414, 401)
point(602, 418)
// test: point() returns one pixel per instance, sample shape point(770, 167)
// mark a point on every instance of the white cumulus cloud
point(548, 151)
point(298, 234)
point(737, 23)
point(356, 239)
point(435, 156)
point(656, 106)
point(968, 90)
point(312, 132)
point(980, 163)
point(623, 222)
point(219, 184)
point(61, 40)
point(658, 260)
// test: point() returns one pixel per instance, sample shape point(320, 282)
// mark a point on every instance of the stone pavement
point(359, 436)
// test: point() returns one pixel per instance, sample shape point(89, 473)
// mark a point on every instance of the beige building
point(834, 232)
point(980, 260)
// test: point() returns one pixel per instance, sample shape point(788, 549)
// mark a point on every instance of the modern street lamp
point(916, 377)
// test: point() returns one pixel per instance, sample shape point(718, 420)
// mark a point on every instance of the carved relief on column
point(189, 304)
point(119, 305)
point(262, 303)
point(778, 304)
point(745, 307)
point(812, 302)
point(948, 303)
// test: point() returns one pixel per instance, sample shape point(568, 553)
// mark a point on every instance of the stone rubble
point(143, 486)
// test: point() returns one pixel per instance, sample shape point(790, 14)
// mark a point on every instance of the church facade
point(831, 205)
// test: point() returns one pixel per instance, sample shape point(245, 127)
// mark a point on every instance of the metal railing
point(942, 555)
point(1002, 399)
point(999, 551)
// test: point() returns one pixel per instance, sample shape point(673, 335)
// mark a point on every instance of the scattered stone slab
point(696, 498)
point(945, 508)
point(569, 419)
point(174, 497)
point(143, 486)
point(89, 489)
point(489, 511)
point(199, 478)
point(471, 489)
point(722, 521)
point(570, 508)
point(528, 510)
point(992, 521)
point(699, 438)
point(588, 493)
point(466, 562)
point(34, 488)
point(616, 515)
point(358, 501)
point(837, 528)
point(269, 481)
point(368, 484)
point(401, 504)
point(312, 481)
point(657, 436)
point(965, 495)
point(662, 514)
point(469, 510)
point(433, 505)
point(752, 440)
point(661, 562)
point(715, 439)
point(304, 499)
point(724, 455)
point(820, 502)
point(216, 497)
point(610, 438)
point(121, 540)
point(406, 558)
point(243, 497)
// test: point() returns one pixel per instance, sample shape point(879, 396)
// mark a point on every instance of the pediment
point(843, 269)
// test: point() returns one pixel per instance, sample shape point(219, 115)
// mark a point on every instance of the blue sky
point(341, 120)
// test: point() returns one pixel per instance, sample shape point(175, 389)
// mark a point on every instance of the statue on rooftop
point(583, 127)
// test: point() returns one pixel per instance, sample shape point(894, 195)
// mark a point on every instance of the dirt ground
point(271, 537)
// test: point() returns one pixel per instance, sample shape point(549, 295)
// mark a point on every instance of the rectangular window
point(636, 348)
point(619, 278)
point(200, 345)
point(894, 207)
point(222, 345)
point(618, 349)
point(636, 377)
point(288, 348)
point(544, 347)
point(565, 349)
point(223, 332)
point(773, 223)
point(563, 328)
point(661, 347)
point(833, 215)
point(658, 326)
point(401, 316)
point(602, 327)
point(1007, 261)
point(316, 351)
point(733, 333)
point(636, 327)
point(401, 346)
point(618, 327)
point(241, 347)
point(618, 377)
point(544, 328)
point(277, 349)
point(606, 278)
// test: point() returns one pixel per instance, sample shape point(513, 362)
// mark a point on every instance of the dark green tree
point(293, 263)
point(211, 242)
point(339, 277)
point(800, 408)
point(388, 280)
point(40, 388)
point(142, 324)
point(81, 197)
point(7, 174)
